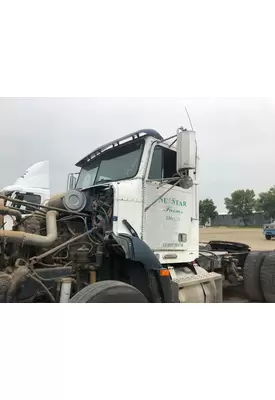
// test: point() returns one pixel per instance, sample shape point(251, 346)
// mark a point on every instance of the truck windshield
point(114, 165)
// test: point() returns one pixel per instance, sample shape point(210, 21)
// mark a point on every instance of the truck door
point(167, 223)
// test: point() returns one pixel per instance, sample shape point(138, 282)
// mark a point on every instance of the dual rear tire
point(267, 278)
point(251, 276)
point(259, 277)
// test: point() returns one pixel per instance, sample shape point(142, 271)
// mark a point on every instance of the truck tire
point(268, 237)
point(268, 278)
point(109, 292)
point(251, 276)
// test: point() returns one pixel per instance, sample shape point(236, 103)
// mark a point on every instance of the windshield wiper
point(103, 181)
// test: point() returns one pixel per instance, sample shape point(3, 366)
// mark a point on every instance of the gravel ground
point(251, 236)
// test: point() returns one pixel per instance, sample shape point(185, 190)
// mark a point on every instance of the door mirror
point(186, 150)
point(71, 182)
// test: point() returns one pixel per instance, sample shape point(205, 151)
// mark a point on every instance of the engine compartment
point(69, 242)
point(64, 238)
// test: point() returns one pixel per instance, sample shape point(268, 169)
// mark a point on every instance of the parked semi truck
point(33, 186)
point(126, 230)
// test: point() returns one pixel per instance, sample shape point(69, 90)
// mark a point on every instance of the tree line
point(241, 204)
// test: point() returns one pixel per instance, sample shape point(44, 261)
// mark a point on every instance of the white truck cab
point(160, 204)
point(155, 198)
point(33, 186)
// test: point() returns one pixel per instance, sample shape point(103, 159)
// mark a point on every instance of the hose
point(44, 287)
point(35, 259)
point(40, 206)
point(33, 239)
point(86, 226)
point(11, 211)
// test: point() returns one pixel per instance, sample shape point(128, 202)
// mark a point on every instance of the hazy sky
point(236, 136)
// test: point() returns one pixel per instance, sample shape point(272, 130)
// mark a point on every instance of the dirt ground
point(251, 236)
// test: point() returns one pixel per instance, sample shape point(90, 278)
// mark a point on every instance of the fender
point(137, 250)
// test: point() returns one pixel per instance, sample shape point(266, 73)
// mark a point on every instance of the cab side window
point(164, 164)
point(169, 163)
point(156, 170)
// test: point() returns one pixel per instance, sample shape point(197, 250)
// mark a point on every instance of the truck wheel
point(268, 237)
point(109, 292)
point(251, 276)
point(268, 278)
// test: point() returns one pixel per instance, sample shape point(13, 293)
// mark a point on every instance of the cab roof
point(132, 136)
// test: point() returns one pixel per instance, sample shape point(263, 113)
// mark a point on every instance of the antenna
point(189, 119)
